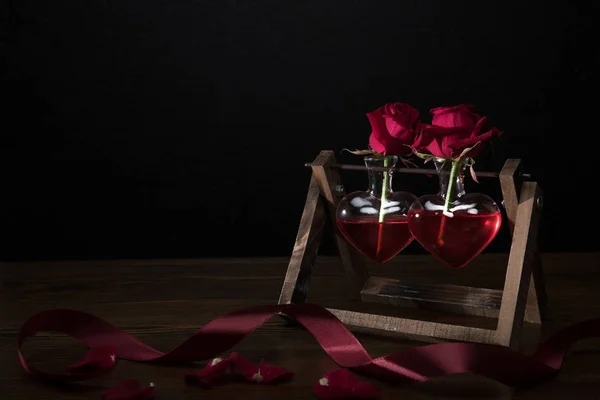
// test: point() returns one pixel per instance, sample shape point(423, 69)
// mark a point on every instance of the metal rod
point(418, 171)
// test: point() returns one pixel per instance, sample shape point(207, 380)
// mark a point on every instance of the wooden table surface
point(163, 302)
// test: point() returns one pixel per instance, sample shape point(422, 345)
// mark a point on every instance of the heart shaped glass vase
point(455, 227)
point(376, 221)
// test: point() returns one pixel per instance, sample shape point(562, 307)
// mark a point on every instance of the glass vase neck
point(380, 171)
point(451, 175)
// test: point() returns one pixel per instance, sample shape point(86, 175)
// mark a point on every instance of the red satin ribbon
point(415, 364)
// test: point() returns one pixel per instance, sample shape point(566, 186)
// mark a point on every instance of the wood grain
point(510, 184)
point(164, 301)
point(518, 272)
point(449, 298)
point(306, 247)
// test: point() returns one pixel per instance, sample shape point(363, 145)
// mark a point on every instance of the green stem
point(386, 177)
point(451, 184)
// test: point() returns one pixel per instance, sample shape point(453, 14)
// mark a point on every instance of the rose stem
point(448, 200)
point(386, 177)
point(451, 182)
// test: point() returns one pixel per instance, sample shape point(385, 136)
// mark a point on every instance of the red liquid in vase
point(457, 240)
point(378, 241)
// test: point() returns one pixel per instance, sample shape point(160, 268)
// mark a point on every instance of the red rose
point(453, 130)
point(394, 128)
point(462, 115)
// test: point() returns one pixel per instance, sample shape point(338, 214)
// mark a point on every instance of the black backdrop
point(155, 128)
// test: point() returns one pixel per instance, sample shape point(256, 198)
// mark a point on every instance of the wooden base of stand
point(522, 298)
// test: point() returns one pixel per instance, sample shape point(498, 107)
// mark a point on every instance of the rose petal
point(393, 128)
point(343, 384)
point(97, 358)
point(474, 145)
point(241, 365)
point(461, 115)
point(273, 373)
point(129, 389)
point(433, 139)
point(259, 373)
point(207, 376)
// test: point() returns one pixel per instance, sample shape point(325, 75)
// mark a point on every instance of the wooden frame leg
point(536, 294)
point(520, 262)
point(321, 202)
point(310, 233)
point(329, 180)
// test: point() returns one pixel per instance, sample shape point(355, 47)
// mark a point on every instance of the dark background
point(155, 128)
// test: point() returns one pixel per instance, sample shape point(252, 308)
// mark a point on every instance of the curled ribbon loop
point(411, 365)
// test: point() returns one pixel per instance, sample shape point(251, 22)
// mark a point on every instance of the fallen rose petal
point(129, 389)
point(268, 373)
point(241, 365)
point(343, 384)
point(259, 373)
point(97, 358)
point(210, 373)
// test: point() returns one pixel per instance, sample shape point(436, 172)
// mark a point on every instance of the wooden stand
point(522, 299)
